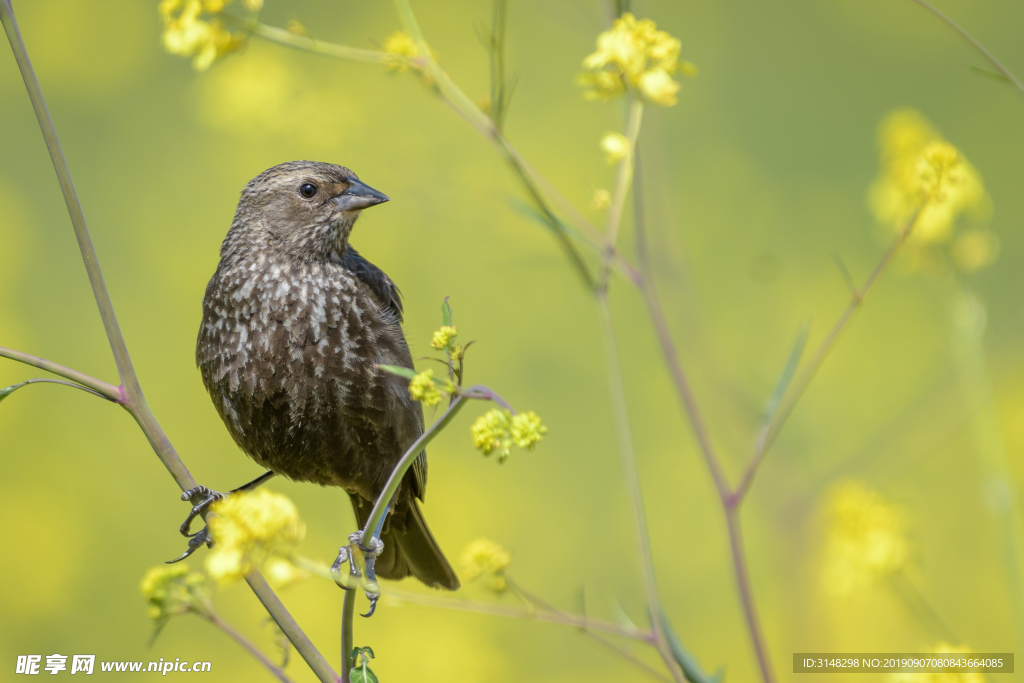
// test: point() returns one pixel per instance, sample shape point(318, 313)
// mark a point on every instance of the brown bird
point(294, 321)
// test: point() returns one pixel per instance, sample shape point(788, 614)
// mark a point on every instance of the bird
point(294, 323)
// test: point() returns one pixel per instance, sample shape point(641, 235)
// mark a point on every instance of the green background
point(755, 179)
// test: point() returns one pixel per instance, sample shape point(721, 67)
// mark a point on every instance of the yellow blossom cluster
point(405, 53)
point(635, 56)
point(190, 31)
point(423, 388)
point(922, 173)
point(253, 531)
point(615, 146)
point(484, 557)
point(497, 430)
point(172, 590)
point(601, 200)
point(943, 677)
point(865, 538)
point(443, 337)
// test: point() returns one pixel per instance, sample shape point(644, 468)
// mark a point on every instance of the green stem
point(976, 45)
point(283, 37)
point(132, 397)
point(625, 175)
point(384, 499)
point(440, 601)
point(629, 469)
point(214, 619)
point(792, 397)
point(7, 391)
point(108, 391)
point(348, 612)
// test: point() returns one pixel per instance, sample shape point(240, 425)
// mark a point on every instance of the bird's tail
point(409, 547)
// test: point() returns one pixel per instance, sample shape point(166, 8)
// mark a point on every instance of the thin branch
point(668, 346)
point(214, 619)
point(384, 499)
point(624, 177)
point(625, 653)
point(348, 611)
point(132, 397)
point(746, 591)
point(629, 468)
point(696, 419)
point(441, 601)
point(768, 436)
point(289, 39)
point(975, 44)
point(108, 391)
point(7, 391)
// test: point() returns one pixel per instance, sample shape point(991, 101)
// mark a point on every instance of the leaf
point(446, 313)
point(407, 373)
point(788, 372)
point(990, 74)
point(367, 650)
point(7, 391)
point(362, 674)
point(691, 667)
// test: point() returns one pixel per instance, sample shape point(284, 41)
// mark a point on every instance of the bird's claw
point(207, 498)
point(195, 541)
point(370, 556)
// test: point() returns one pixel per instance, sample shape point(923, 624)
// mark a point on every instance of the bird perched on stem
point(294, 321)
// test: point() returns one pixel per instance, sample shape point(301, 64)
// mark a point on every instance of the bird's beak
point(359, 196)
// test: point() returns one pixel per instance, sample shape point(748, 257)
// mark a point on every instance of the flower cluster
point(252, 531)
point(484, 557)
point(865, 539)
point(189, 31)
point(406, 54)
point(443, 338)
point(616, 147)
point(422, 388)
point(635, 56)
point(172, 590)
point(498, 429)
point(924, 174)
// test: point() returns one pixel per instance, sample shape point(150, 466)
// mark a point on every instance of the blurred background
point(755, 180)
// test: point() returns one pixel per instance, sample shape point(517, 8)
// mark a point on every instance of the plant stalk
point(131, 391)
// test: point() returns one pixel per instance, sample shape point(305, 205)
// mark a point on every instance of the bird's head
point(305, 207)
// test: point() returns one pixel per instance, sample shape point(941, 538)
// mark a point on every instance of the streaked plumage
point(294, 320)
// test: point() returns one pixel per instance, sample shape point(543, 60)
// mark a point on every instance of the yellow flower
point(483, 557)
point(602, 199)
point(187, 34)
point(498, 430)
point(975, 249)
point(634, 54)
point(922, 172)
point(527, 430)
point(945, 677)
point(402, 45)
point(490, 432)
point(658, 87)
point(443, 337)
point(250, 529)
point(865, 539)
point(173, 590)
point(423, 389)
point(615, 146)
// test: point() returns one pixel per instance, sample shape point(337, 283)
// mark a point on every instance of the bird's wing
point(390, 299)
point(374, 278)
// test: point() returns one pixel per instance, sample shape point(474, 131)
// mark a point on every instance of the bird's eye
point(307, 190)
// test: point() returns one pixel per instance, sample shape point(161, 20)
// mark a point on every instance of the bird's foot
point(345, 554)
point(202, 498)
